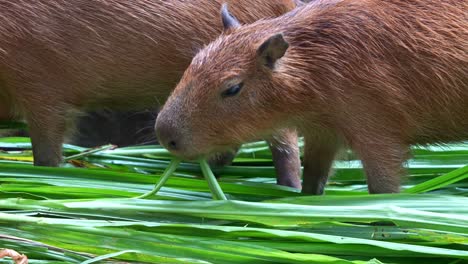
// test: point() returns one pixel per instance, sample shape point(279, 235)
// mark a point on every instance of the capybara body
point(373, 75)
point(58, 57)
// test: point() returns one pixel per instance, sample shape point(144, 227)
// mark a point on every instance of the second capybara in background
point(60, 57)
point(373, 75)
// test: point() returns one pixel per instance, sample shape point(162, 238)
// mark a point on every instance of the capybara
point(58, 57)
point(372, 75)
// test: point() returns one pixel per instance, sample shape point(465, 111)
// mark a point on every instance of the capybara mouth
point(188, 155)
point(200, 154)
point(192, 157)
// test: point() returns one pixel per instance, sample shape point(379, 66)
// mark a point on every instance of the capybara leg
point(286, 158)
point(318, 159)
point(47, 130)
point(383, 165)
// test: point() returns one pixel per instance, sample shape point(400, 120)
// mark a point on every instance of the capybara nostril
point(172, 145)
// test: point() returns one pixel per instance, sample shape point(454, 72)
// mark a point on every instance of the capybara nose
point(172, 145)
point(167, 135)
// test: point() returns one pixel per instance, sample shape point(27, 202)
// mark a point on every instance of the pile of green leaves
point(89, 214)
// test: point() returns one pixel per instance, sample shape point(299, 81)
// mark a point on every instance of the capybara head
point(226, 96)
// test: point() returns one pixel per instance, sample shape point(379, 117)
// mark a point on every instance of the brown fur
point(58, 56)
point(372, 74)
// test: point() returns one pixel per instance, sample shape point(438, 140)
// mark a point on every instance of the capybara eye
point(233, 90)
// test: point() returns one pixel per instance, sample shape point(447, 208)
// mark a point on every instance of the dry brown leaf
point(17, 257)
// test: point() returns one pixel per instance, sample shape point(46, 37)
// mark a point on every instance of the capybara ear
point(229, 21)
point(271, 50)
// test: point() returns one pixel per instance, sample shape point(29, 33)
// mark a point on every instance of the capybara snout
point(170, 134)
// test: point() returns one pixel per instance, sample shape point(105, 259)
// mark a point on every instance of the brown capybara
point(58, 57)
point(373, 75)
